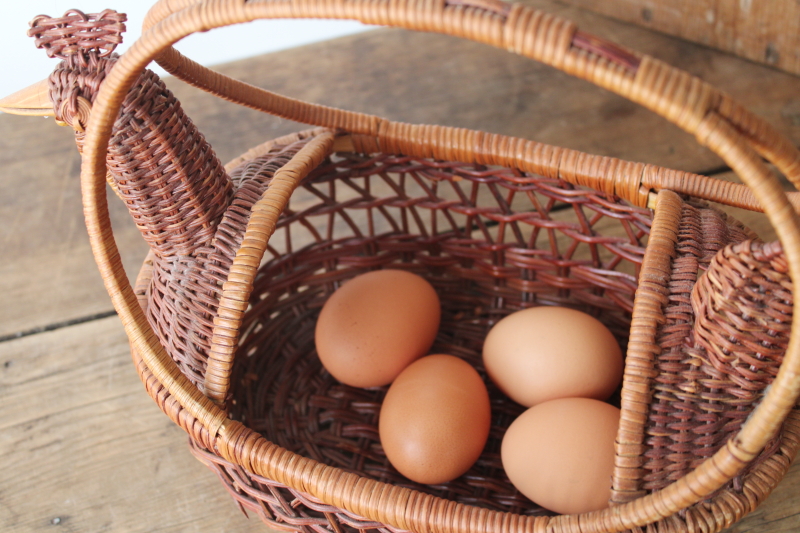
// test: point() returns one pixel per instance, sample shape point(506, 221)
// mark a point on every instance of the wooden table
point(82, 447)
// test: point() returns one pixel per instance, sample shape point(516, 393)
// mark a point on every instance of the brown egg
point(375, 325)
point(560, 454)
point(435, 419)
point(543, 353)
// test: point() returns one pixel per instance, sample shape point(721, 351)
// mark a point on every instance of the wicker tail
point(486, 262)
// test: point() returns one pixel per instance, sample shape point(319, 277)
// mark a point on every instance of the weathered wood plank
point(47, 274)
point(83, 447)
point(767, 32)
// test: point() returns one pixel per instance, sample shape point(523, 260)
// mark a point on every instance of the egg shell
point(435, 418)
point(560, 454)
point(375, 325)
point(542, 353)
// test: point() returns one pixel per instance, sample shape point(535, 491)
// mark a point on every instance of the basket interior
point(490, 240)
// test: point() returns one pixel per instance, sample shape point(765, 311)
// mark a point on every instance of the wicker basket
point(223, 338)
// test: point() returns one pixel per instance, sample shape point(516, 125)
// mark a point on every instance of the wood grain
point(767, 32)
point(84, 448)
point(48, 275)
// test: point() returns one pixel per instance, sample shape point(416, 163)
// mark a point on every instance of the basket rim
point(664, 226)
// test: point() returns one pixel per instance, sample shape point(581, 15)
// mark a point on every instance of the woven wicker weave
point(243, 257)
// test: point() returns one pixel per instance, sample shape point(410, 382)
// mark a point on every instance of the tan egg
point(375, 325)
point(435, 419)
point(560, 454)
point(542, 353)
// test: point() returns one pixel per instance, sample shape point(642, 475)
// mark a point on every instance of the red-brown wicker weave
point(224, 341)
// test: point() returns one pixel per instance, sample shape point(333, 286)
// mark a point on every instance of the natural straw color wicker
point(685, 237)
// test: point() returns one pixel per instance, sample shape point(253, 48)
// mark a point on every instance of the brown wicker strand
point(241, 93)
point(651, 297)
point(744, 313)
point(177, 203)
point(76, 33)
point(182, 200)
point(606, 49)
point(236, 290)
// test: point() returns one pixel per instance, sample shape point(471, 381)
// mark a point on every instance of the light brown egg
point(435, 419)
point(560, 454)
point(375, 325)
point(543, 353)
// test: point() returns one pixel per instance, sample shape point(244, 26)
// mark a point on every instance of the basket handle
point(635, 182)
point(679, 97)
point(729, 139)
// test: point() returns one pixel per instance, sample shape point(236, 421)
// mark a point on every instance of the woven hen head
point(161, 166)
point(188, 209)
point(85, 44)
